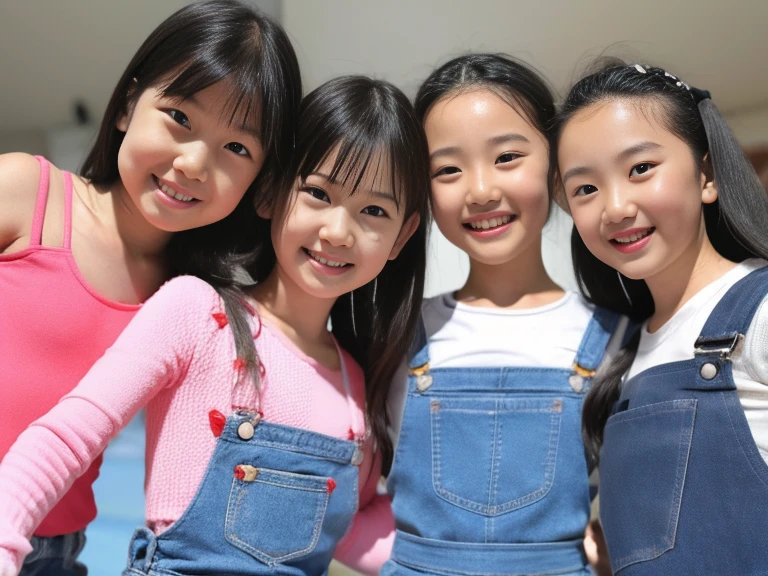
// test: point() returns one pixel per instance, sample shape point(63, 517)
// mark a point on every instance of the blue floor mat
point(119, 494)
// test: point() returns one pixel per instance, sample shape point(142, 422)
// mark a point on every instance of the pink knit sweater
point(177, 358)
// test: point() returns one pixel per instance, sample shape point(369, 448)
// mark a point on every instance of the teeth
point(492, 223)
point(331, 263)
point(173, 194)
point(632, 238)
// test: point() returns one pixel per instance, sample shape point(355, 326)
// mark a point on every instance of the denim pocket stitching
point(238, 490)
point(683, 457)
point(525, 500)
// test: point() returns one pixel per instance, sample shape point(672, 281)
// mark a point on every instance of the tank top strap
point(68, 191)
point(591, 351)
point(38, 219)
point(36, 235)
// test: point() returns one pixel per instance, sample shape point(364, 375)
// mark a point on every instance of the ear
point(406, 231)
point(265, 211)
point(124, 119)
point(708, 189)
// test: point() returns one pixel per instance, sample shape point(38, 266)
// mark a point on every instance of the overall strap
point(591, 351)
point(36, 235)
point(732, 316)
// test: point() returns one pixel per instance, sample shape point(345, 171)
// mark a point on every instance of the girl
point(671, 230)
point(263, 479)
point(206, 106)
point(489, 475)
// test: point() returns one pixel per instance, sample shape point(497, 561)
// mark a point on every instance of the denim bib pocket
point(491, 455)
point(276, 516)
point(642, 474)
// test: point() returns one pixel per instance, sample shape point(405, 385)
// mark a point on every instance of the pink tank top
point(53, 327)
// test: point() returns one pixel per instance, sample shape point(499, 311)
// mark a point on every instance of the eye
point(179, 117)
point(237, 148)
point(446, 171)
point(585, 190)
point(375, 211)
point(640, 169)
point(507, 157)
point(317, 193)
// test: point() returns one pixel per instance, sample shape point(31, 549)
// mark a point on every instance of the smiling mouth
point(324, 261)
point(627, 240)
point(171, 193)
point(490, 223)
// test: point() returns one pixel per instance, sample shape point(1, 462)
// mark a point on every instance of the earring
point(352, 305)
point(624, 288)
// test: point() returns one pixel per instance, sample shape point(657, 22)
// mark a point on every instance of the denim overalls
point(683, 487)
point(274, 500)
point(490, 475)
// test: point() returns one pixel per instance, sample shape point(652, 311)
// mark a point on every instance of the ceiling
point(53, 52)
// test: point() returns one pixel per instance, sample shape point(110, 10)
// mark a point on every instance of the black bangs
point(198, 46)
point(367, 125)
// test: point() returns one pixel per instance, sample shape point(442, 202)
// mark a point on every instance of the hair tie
point(696, 93)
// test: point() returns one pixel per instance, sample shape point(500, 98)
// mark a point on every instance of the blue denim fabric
point(683, 487)
point(55, 556)
point(490, 475)
point(286, 520)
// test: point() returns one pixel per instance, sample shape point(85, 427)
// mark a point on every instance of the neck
point(301, 317)
point(682, 279)
point(139, 238)
point(522, 282)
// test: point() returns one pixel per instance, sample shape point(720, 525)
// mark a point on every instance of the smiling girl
point(199, 127)
point(490, 475)
point(260, 458)
point(670, 229)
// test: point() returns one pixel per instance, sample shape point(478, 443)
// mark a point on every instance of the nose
point(483, 188)
point(193, 160)
point(337, 228)
point(619, 205)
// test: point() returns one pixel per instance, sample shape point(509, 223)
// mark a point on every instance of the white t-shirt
point(675, 339)
point(471, 336)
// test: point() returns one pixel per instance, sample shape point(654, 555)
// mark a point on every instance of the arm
point(19, 176)
point(368, 542)
point(153, 352)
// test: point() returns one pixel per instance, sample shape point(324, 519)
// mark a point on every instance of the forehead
point(474, 114)
point(359, 171)
point(613, 125)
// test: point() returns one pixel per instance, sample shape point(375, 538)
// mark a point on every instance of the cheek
point(528, 189)
point(447, 203)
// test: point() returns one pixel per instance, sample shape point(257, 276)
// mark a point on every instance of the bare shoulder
point(19, 179)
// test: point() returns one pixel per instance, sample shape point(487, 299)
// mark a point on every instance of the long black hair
point(359, 118)
point(735, 223)
point(514, 81)
point(194, 48)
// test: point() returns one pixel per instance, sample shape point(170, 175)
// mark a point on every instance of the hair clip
point(697, 94)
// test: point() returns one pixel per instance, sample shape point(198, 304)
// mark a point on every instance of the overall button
point(245, 430)
point(576, 382)
point(708, 371)
point(357, 457)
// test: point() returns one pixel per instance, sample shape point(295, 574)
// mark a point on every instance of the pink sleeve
point(368, 542)
point(151, 353)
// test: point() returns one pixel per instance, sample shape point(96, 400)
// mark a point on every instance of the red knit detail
point(251, 309)
point(239, 472)
point(217, 421)
point(331, 485)
point(221, 319)
point(262, 369)
point(239, 364)
point(258, 330)
point(350, 434)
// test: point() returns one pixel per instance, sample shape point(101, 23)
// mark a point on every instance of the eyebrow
point(623, 155)
point(495, 141)
point(242, 129)
point(376, 193)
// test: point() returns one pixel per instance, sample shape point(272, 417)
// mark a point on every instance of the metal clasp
point(723, 347)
